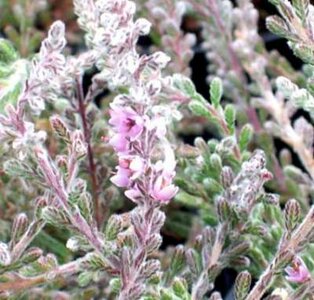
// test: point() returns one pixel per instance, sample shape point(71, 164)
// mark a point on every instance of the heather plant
point(101, 195)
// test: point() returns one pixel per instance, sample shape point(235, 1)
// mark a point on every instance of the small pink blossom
point(136, 166)
point(122, 177)
point(126, 121)
point(298, 271)
point(133, 194)
point(119, 142)
point(129, 169)
point(163, 189)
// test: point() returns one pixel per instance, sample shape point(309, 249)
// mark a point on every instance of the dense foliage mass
point(101, 197)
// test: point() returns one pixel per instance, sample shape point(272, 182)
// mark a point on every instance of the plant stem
point(298, 236)
point(140, 255)
point(76, 218)
point(277, 110)
point(90, 154)
point(24, 283)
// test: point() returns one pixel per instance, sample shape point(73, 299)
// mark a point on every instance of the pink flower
point(298, 272)
point(126, 121)
point(128, 170)
point(163, 189)
point(158, 124)
point(136, 166)
point(119, 142)
point(122, 177)
point(133, 194)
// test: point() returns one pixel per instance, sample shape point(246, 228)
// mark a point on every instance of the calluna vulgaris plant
point(102, 197)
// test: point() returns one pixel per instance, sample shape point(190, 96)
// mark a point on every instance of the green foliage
point(245, 137)
point(199, 109)
point(302, 9)
point(12, 78)
point(230, 117)
point(113, 227)
point(185, 85)
point(16, 168)
point(276, 25)
point(8, 54)
point(216, 91)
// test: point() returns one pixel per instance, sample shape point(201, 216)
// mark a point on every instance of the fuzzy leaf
point(279, 27)
point(230, 116)
point(303, 99)
point(303, 51)
point(216, 91)
point(17, 168)
point(242, 285)
point(199, 109)
point(85, 278)
point(180, 288)
point(184, 84)
point(245, 136)
point(302, 9)
point(12, 82)
point(287, 11)
point(7, 52)
point(114, 226)
point(292, 214)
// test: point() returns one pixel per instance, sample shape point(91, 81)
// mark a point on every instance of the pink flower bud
point(129, 169)
point(122, 177)
point(298, 271)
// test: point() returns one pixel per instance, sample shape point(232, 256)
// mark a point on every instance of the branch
point(24, 283)
point(289, 246)
point(90, 154)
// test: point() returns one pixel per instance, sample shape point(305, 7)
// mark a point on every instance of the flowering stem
point(291, 245)
point(90, 154)
point(140, 255)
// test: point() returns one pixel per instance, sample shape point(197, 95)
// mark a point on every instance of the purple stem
point(90, 154)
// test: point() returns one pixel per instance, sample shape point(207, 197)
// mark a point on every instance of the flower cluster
point(50, 63)
point(134, 140)
point(41, 86)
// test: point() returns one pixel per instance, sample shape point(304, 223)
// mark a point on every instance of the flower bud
point(242, 285)
point(142, 26)
point(224, 210)
point(19, 227)
point(60, 128)
point(298, 271)
point(292, 214)
point(31, 255)
point(160, 59)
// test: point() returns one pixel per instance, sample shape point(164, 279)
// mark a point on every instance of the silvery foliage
point(61, 217)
